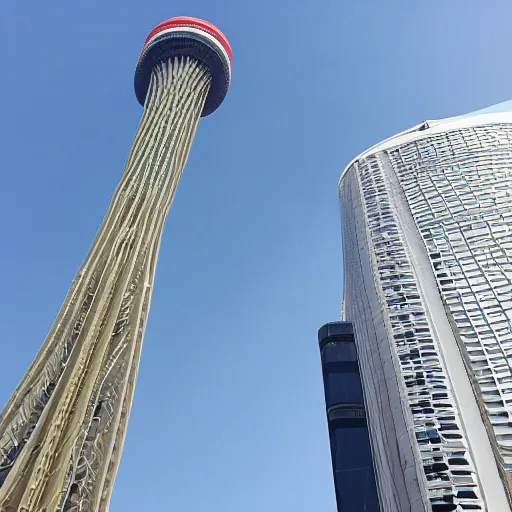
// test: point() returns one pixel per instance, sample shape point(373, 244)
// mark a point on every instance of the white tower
point(427, 247)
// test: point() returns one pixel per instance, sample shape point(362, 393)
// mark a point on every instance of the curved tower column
point(62, 431)
point(427, 247)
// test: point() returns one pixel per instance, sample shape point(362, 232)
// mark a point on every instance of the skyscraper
point(62, 431)
point(427, 247)
point(352, 463)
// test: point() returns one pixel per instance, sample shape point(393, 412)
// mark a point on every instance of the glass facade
point(354, 477)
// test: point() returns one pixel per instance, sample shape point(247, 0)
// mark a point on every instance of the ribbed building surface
point(62, 431)
point(89, 362)
point(427, 245)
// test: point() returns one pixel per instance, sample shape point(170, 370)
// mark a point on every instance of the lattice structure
point(428, 262)
point(460, 195)
point(62, 431)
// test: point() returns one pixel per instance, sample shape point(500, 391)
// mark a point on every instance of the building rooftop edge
point(340, 328)
point(433, 127)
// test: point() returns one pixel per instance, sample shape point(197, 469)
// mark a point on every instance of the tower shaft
point(62, 431)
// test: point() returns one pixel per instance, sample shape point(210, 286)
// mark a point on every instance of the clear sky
point(229, 412)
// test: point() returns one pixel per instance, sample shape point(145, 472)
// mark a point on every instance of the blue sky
point(228, 413)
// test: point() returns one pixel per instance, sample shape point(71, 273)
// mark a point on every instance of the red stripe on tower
point(187, 21)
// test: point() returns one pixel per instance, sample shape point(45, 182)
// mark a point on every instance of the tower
point(62, 431)
point(427, 246)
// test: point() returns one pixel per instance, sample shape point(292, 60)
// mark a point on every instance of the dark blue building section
point(352, 462)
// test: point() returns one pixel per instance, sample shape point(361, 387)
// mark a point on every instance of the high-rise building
point(62, 431)
point(352, 464)
point(427, 249)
